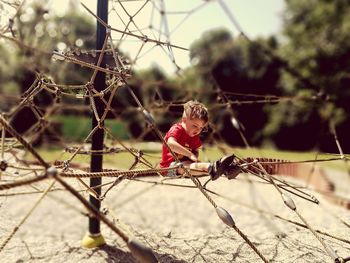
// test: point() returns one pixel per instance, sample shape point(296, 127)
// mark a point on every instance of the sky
point(255, 17)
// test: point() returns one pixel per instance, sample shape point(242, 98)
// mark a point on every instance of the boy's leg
point(232, 171)
point(195, 168)
point(219, 167)
point(215, 170)
point(172, 173)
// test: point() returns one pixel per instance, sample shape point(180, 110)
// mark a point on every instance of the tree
point(236, 65)
point(44, 32)
point(316, 45)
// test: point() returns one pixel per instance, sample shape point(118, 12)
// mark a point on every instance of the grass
point(76, 128)
point(152, 152)
point(339, 165)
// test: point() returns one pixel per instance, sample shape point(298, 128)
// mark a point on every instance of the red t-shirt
point(181, 136)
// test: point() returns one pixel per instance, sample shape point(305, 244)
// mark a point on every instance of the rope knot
point(89, 86)
point(3, 165)
point(100, 124)
point(51, 172)
point(65, 164)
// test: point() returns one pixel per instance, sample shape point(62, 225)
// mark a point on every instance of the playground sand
point(179, 224)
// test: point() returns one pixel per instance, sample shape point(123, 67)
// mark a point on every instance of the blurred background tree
point(311, 64)
point(316, 43)
point(236, 66)
point(35, 26)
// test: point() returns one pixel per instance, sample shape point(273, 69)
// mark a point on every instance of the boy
point(183, 139)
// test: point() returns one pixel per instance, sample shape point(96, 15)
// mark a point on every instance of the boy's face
point(193, 126)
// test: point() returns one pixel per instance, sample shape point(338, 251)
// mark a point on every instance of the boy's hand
point(179, 156)
point(194, 158)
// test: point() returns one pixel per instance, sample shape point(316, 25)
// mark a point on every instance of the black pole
point(97, 137)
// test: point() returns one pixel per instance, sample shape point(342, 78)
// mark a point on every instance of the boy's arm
point(195, 152)
point(178, 148)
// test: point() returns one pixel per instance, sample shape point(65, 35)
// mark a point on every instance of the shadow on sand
point(116, 255)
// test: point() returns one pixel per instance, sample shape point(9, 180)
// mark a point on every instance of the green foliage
point(331, 112)
point(318, 36)
point(207, 50)
point(317, 46)
point(77, 128)
point(315, 52)
point(37, 27)
point(234, 65)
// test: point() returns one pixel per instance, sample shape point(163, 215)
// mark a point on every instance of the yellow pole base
point(92, 240)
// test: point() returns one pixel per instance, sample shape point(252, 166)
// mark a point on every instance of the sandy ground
point(178, 223)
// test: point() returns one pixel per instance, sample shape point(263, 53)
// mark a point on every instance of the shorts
point(173, 173)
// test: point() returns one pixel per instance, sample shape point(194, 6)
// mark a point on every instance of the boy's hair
point(195, 110)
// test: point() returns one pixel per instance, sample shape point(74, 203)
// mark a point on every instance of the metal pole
point(94, 238)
